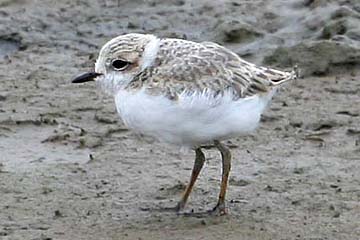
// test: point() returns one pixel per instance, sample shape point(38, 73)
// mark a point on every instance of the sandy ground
point(69, 168)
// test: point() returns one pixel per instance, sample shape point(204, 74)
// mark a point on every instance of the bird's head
point(121, 59)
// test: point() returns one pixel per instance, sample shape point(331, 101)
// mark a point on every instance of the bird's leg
point(199, 162)
point(226, 165)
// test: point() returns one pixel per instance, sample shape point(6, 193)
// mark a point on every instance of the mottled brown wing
point(183, 65)
point(250, 78)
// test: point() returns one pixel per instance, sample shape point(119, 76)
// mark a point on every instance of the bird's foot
point(219, 210)
point(179, 208)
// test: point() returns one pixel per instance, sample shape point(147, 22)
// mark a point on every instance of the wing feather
point(188, 66)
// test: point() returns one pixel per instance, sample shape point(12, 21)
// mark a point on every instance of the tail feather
point(277, 77)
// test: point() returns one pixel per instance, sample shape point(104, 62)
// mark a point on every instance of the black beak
point(86, 77)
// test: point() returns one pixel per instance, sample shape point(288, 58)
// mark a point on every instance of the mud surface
point(69, 168)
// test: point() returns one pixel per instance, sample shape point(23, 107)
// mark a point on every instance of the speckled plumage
point(204, 89)
point(188, 66)
point(185, 93)
point(182, 65)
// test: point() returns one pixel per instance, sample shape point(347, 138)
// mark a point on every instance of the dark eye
point(120, 65)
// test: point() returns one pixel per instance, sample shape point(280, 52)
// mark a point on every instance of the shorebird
point(185, 93)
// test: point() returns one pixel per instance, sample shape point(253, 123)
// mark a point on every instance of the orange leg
point(199, 162)
point(226, 166)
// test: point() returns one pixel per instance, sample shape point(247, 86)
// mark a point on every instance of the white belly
point(192, 120)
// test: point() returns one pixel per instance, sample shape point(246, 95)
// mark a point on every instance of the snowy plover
point(185, 93)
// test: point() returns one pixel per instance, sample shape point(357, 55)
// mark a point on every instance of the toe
point(219, 210)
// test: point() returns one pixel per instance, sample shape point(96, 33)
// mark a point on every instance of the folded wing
point(196, 67)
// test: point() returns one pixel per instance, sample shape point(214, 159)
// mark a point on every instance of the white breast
point(192, 120)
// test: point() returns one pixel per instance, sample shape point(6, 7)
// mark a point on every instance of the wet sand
point(69, 168)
